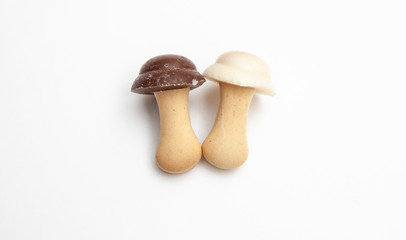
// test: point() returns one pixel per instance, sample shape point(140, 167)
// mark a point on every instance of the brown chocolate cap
point(167, 72)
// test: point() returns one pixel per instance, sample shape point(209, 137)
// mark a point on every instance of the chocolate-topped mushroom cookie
point(170, 78)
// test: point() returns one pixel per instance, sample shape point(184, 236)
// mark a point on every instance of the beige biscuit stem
point(178, 148)
point(226, 146)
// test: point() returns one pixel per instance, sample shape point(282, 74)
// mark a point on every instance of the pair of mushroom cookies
point(171, 77)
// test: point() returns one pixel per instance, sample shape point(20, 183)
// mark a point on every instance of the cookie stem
point(178, 148)
point(226, 146)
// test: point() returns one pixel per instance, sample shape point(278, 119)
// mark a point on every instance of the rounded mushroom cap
point(167, 72)
point(242, 69)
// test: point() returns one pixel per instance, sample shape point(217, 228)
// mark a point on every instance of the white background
point(327, 153)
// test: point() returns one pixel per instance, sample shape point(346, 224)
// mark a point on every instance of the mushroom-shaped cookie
point(239, 75)
point(169, 78)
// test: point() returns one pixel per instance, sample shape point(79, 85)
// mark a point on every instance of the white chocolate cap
point(242, 69)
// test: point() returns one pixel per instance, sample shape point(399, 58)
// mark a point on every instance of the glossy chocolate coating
point(167, 72)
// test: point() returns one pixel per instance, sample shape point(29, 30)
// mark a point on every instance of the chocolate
point(167, 72)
